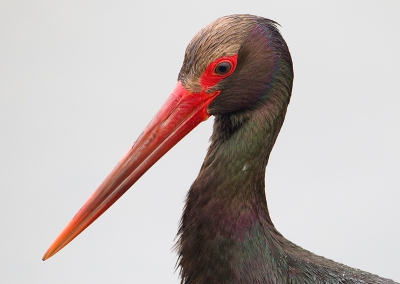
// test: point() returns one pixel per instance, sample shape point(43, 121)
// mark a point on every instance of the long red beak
point(181, 113)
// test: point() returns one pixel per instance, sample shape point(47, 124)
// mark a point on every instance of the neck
point(226, 234)
point(226, 231)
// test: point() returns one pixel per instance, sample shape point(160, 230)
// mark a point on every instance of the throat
point(226, 231)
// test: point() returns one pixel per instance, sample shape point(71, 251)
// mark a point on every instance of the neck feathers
point(226, 232)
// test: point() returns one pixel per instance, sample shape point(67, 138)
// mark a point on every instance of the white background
point(80, 79)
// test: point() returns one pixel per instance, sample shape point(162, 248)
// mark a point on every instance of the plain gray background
point(80, 79)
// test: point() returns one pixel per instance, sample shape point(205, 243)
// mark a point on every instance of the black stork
point(238, 69)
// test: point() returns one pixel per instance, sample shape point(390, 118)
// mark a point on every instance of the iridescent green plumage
point(226, 234)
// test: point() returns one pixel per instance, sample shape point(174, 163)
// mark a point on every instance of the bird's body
point(238, 69)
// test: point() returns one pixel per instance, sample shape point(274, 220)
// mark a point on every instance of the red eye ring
point(213, 75)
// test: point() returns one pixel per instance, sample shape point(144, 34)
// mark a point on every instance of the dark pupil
point(223, 68)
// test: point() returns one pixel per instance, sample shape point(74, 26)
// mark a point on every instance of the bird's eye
point(223, 68)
